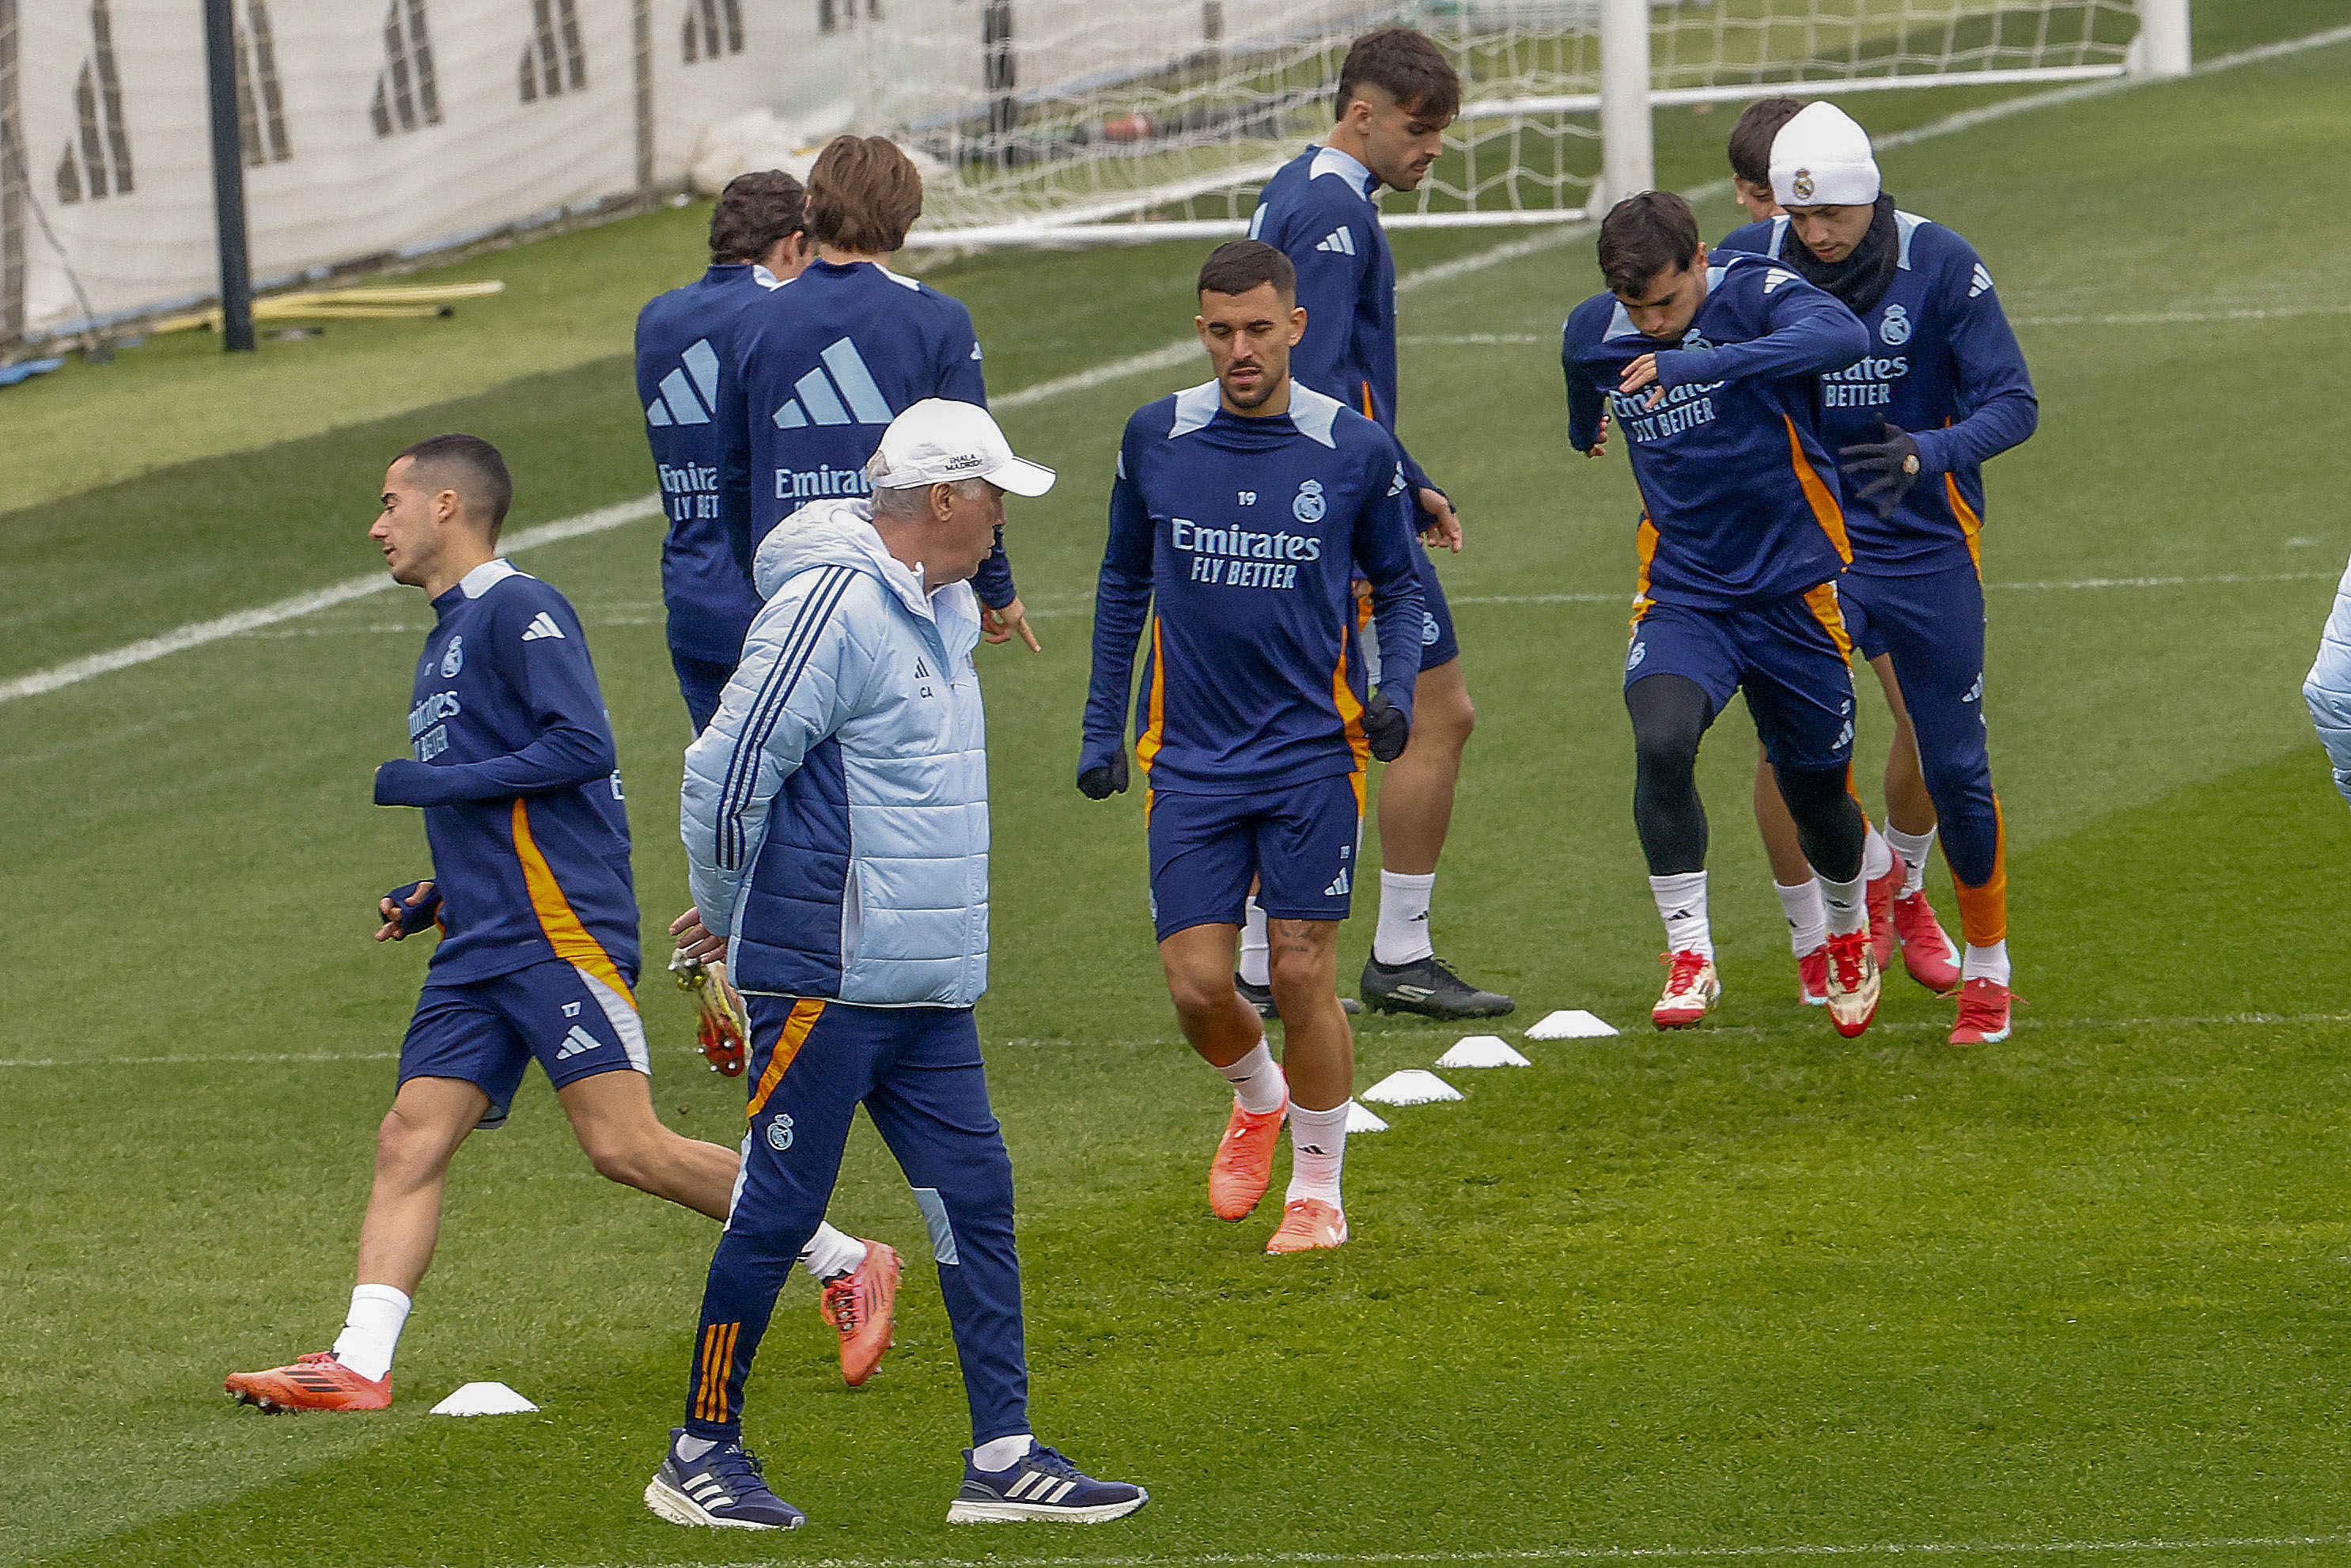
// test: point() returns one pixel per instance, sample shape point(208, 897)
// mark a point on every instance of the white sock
point(1002, 1453)
point(1257, 958)
point(1981, 963)
point(1402, 934)
point(372, 1333)
point(1681, 903)
point(1318, 1147)
point(1257, 1080)
point(1808, 917)
point(691, 1448)
point(830, 1253)
point(1847, 904)
point(1877, 854)
point(1914, 849)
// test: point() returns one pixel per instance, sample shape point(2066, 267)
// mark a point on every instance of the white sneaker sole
point(679, 1509)
point(962, 1512)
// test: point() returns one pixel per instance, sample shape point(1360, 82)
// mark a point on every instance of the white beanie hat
point(1821, 159)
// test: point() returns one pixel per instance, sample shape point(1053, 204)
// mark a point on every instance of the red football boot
point(317, 1382)
point(863, 1306)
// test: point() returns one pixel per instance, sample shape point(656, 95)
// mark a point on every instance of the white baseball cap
point(937, 442)
point(1822, 157)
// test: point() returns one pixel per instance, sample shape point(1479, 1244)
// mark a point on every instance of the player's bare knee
point(1201, 998)
point(409, 1150)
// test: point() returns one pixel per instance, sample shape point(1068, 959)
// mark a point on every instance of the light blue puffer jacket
point(2327, 687)
point(835, 813)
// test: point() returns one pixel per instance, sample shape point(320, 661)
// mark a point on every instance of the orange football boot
point(1984, 1013)
point(1926, 950)
point(1308, 1224)
point(1812, 978)
point(1879, 895)
point(718, 1013)
point(1243, 1167)
point(863, 1306)
point(312, 1382)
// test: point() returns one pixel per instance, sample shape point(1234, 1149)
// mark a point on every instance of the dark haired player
point(1943, 389)
point(1711, 371)
point(1397, 93)
point(758, 243)
point(1242, 509)
point(512, 759)
point(1749, 150)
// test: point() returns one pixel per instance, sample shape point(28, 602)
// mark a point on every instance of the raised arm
point(1807, 332)
point(1587, 405)
point(557, 682)
point(803, 671)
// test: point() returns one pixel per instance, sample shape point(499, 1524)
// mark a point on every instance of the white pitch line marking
point(257, 1058)
point(1573, 1555)
point(1172, 355)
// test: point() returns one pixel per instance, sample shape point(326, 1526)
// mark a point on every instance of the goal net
point(1109, 120)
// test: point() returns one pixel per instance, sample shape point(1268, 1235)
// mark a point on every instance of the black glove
point(414, 917)
point(1891, 466)
point(1109, 778)
point(1386, 727)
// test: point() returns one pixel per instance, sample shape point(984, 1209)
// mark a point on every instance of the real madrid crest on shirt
point(1309, 506)
point(454, 660)
point(1896, 328)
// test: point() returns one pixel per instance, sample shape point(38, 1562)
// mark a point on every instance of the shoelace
point(844, 1304)
point(1683, 971)
point(1844, 968)
point(1974, 1009)
point(1052, 1462)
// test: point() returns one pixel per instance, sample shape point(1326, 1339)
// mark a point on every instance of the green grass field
point(1747, 1292)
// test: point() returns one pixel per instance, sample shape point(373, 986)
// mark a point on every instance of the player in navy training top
point(511, 756)
point(684, 348)
point(1242, 509)
point(1943, 387)
point(684, 343)
point(1396, 94)
point(823, 365)
point(1712, 371)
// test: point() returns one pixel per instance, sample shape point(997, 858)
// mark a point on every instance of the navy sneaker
point(1427, 987)
point(1041, 1485)
point(721, 1489)
point(1262, 998)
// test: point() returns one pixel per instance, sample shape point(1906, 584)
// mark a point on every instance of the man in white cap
point(835, 822)
point(1943, 389)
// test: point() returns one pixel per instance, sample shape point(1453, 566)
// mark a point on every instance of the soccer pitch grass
point(1746, 1290)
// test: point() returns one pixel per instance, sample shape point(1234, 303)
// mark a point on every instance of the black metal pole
point(228, 179)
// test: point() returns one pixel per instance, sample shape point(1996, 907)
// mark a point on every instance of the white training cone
point(1570, 1023)
point(1482, 1051)
point(1361, 1120)
point(483, 1399)
point(1411, 1087)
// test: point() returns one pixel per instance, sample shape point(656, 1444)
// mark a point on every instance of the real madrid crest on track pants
point(917, 1070)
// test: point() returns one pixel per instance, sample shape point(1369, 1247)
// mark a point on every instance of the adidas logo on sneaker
point(848, 396)
point(1339, 242)
point(574, 1042)
point(678, 403)
point(541, 625)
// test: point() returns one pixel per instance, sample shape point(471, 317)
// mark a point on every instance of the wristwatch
point(1911, 466)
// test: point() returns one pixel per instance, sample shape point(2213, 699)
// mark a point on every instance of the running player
point(822, 366)
point(1943, 389)
point(1397, 93)
point(757, 243)
point(514, 764)
point(1245, 505)
point(836, 824)
point(1710, 370)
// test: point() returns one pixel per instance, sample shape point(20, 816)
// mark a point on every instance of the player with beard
point(1943, 389)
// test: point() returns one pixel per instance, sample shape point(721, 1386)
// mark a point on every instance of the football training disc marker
point(1572, 1023)
point(1359, 1119)
point(1412, 1086)
point(1482, 1051)
point(483, 1399)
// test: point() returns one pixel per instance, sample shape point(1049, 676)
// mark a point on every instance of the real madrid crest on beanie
point(1822, 159)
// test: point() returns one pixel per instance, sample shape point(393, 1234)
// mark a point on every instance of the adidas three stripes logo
point(1341, 241)
point(678, 403)
point(847, 397)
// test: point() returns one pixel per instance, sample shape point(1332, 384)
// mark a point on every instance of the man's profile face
point(1830, 232)
point(966, 531)
point(1665, 305)
point(1248, 338)
point(1756, 199)
point(413, 529)
point(1399, 143)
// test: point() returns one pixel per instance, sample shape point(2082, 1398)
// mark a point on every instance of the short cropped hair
point(469, 466)
point(863, 194)
point(1644, 235)
point(1750, 139)
point(1238, 266)
point(755, 212)
point(1405, 65)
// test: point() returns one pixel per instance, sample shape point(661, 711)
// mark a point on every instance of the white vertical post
point(1628, 154)
point(2161, 49)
